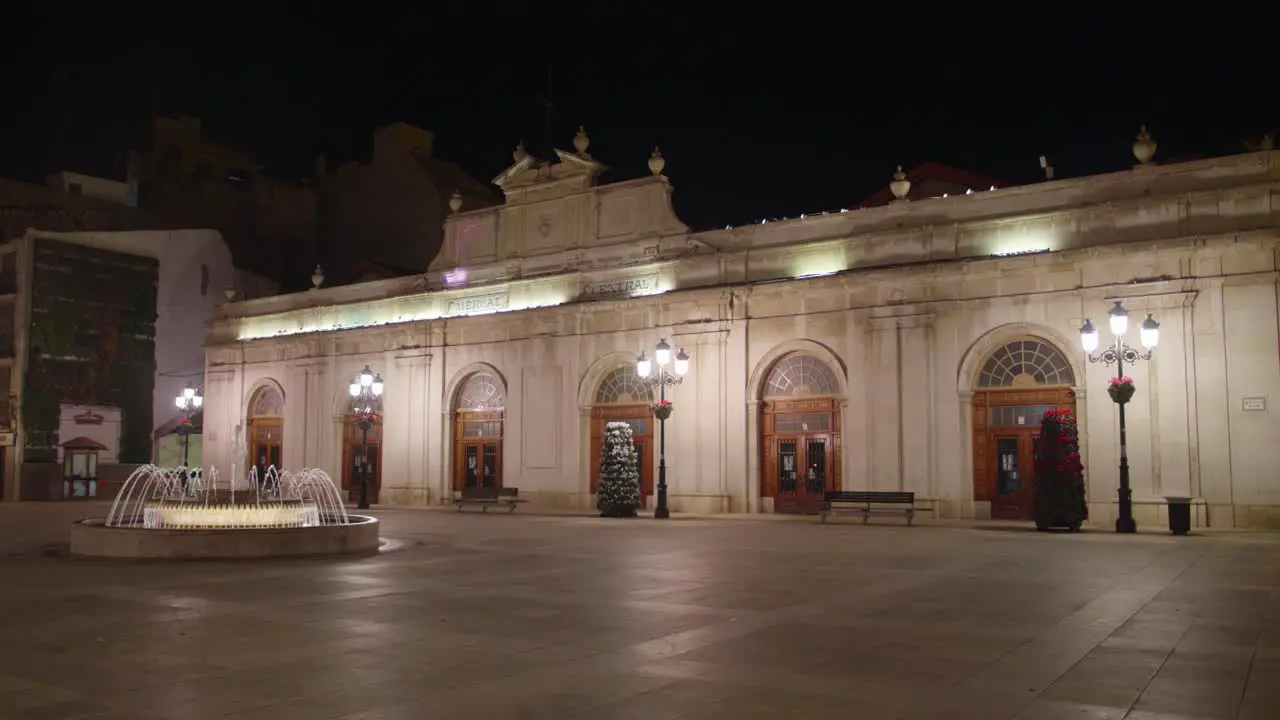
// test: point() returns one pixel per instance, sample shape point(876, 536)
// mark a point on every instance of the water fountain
point(188, 513)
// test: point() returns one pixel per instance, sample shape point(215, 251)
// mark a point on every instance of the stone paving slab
point(535, 616)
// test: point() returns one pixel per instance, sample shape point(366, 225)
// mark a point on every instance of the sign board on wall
point(628, 287)
point(479, 304)
point(1254, 404)
point(6, 439)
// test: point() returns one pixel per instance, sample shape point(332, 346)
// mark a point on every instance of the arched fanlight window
point(801, 375)
point(482, 391)
point(1024, 363)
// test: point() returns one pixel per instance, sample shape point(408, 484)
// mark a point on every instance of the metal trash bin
point(1179, 515)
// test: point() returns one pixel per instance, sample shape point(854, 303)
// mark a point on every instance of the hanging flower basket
point(367, 417)
point(1121, 390)
point(661, 410)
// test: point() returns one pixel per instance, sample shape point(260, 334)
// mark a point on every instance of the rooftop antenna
point(1048, 169)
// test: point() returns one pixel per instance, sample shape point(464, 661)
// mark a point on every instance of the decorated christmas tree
point(619, 492)
point(1060, 499)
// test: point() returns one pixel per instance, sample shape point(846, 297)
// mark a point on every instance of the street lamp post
point(188, 401)
point(664, 378)
point(366, 403)
point(1121, 353)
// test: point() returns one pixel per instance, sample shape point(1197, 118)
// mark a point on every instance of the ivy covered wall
point(92, 342)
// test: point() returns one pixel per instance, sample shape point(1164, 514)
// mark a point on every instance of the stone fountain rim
point(92, 538)
point(101, 522)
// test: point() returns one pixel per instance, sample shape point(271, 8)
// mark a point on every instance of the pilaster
point(884, 393)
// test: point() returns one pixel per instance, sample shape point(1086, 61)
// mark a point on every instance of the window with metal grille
point(801, 375)
point(1026, 362)
point(482, 391)
point(622, 386)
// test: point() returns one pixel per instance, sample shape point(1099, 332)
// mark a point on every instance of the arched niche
point(1013, 375)
point(477, 398)
point(801, 393)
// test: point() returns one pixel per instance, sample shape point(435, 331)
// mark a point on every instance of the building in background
point(934, 180)
point(386, 216)
point(190, 181)
point(56, 207)
point(105, 330)
point(79, 184)
point(910, 346)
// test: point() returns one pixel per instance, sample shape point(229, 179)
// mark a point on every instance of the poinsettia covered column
point(1121, 387)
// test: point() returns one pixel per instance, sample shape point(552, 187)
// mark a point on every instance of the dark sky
point(761, 113)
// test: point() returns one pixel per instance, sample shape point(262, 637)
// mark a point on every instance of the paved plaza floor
point(510, 616)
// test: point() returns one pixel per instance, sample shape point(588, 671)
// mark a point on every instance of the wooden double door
point(1006, 434)
point(266, 445)
point(643, 434)
point(355, 459)
point(800, 442)
point(477, 450)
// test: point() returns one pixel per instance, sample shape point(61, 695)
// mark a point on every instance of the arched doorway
point(1016, 385)
point(353, 458)
point(266, 429)
point(477, 432)
point(800, 434)
point(623, 397)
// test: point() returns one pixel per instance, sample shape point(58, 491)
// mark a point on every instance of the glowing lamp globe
point(1150, 332)
point(662, 353)
point(1088, 336)
point(682, 362)
point(1119, 319)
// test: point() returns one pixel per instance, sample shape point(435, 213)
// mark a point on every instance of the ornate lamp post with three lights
point(1121, 388)
point(366, 404)
point(188, 401)
point(662, 410)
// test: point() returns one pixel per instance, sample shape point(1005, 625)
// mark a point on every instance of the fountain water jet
point(155, 498)
point(188, 513)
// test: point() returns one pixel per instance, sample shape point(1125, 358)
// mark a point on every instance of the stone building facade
point(910, 346)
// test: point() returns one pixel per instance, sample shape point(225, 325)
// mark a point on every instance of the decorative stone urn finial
point(900, 185)
point(656, 161)
point(317, 277)
point(520, 153)
point(1145, 147)
point(581, 141)
point(455, 201)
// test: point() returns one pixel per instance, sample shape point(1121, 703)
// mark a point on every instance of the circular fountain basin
point(185, 515)
point(92, 538)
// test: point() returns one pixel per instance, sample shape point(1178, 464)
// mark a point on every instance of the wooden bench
point(488, 497)
point(866, 504)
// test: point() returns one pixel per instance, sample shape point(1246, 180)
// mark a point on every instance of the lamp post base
point(661, 513)
point(364, 465)
point(1126, 525)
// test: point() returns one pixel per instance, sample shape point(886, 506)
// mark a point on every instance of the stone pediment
point(530, 179)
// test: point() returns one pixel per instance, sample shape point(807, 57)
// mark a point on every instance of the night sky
point(759, 113)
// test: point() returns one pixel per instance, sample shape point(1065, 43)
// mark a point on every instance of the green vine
point(39, 414)
point(92, 343)
point(55, 329)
